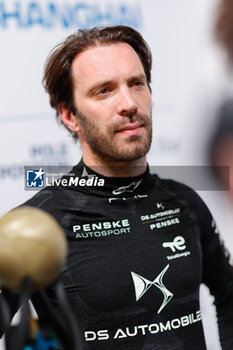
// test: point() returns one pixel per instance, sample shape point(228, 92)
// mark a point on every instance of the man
point(139, 246)
point(221, 146)
point(223, 28)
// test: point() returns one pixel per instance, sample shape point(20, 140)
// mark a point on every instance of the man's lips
point(130, 129)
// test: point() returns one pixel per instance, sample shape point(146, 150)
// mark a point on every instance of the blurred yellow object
point(32, 244)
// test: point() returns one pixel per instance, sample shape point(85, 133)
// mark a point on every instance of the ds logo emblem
point(142, 284)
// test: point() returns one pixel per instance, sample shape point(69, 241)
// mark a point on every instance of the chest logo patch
point(177, 244)
point(129, 188)
point(142, 285)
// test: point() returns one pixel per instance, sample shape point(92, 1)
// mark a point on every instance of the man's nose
point(127, 103)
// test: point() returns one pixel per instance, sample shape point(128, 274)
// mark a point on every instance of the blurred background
point(192, 87)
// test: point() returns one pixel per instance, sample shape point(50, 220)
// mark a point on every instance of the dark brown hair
point(57, 78)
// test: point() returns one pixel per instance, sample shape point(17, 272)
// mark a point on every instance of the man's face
point(113, 103)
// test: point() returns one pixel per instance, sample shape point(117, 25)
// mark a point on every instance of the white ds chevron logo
point(142, 284)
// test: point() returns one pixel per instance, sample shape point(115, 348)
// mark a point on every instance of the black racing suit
point(139, 248)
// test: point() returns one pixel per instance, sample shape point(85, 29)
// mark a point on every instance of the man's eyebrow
point(100, 84)
point(138, 77)
point(111, 82)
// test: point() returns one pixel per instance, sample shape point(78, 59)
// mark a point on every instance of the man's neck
point(117, 168)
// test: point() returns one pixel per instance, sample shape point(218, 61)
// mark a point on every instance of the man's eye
point(103, 91)
point(138, 83)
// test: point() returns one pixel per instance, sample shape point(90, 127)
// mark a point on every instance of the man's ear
point(68, 118)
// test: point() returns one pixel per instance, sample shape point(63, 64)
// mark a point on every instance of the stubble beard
point(111, 148)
